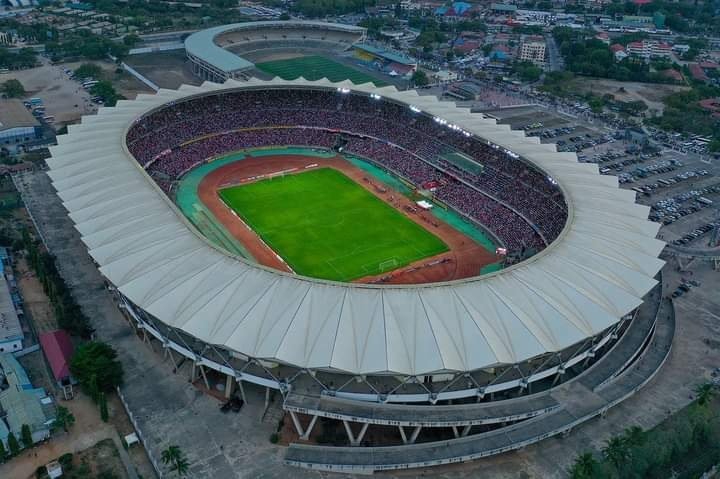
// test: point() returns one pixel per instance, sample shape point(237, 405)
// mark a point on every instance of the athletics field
point(314, 68)
point(324, 225)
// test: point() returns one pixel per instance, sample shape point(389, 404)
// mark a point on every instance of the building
point(444, 77)
point(211, 60)
point(11, 333)
point(618, 52)
point(58, 350)
point(385, 59)
point(647, 49)
point(378, 355)
point(533, 50)
point(21, 403)
point(7, 38)
point(17, 126)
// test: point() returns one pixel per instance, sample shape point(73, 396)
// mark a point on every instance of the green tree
point(97, 362)
point(705, 392)
point(89, 70)
point(634, 436)
point(64, 418)
point(131, 40)
point(173, 457)
point(26, 435)
point(13, 444)
point(103, 407)
point(419, 78)
point(3, 452)
point(584, 466)
point(13, 89)
point(105, 90)
point(616, 452)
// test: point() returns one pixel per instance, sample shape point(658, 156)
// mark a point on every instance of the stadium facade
point(503, 342)
point(208, 52)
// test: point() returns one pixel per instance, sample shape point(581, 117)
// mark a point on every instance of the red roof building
point(697, 72)
point(673, 74)
point(616, 47)
point(58, 350)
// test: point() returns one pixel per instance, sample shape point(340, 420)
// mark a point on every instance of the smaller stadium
point(293, 49)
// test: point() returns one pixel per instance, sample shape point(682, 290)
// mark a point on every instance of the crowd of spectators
point(514, 200)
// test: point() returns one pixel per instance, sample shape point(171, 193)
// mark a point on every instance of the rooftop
point(13, 114)
point(9, 323)
point(392, 56)
point(58, 350)
point(202, 44)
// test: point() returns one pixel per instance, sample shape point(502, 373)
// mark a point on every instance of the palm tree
point(705, 392)
point(174, 457)
point(634, 436)
point(616, 451)
point(584, 466)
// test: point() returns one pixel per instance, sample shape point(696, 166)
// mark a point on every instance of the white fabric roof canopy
point(597, 271)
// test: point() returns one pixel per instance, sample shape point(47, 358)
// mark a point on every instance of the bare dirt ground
point(166, 69)
point(66, 99)
point(81, 440)
point(464, 259)
point(651, 93)
point(36, 303)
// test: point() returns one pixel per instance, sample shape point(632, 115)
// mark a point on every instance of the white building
point(17, 125)
point(533, 51)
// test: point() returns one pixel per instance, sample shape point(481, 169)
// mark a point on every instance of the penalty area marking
point(255, 233)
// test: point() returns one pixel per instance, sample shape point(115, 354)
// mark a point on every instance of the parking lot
point(680, 184)
point(64, 98)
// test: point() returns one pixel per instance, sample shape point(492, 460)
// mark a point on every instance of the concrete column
point(309, 429)
point(296, 422)
point(355, 441)
point(242, 390)
point(229, 386)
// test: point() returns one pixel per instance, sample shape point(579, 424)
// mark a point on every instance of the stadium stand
point(513, 200)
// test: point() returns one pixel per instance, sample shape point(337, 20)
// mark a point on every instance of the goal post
point(388, 265)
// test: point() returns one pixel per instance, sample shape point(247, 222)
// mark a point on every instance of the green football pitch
point(314, 68)
point(326, 226)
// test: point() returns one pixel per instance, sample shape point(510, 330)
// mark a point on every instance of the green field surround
point(326, 226)
point(314, 68)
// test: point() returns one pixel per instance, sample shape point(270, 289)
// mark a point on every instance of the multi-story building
point(533, 50)
point(649, 49)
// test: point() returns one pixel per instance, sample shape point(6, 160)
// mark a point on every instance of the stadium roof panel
point(595, 272)
point(202, 44)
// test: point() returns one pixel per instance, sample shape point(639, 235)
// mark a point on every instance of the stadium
point(228, 51)
point(422, 285)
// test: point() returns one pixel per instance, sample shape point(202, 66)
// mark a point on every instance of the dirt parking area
point(66, 99)
point(651, 93)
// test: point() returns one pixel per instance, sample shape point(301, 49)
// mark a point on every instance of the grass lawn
point(326, 226)
point(314, 68)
